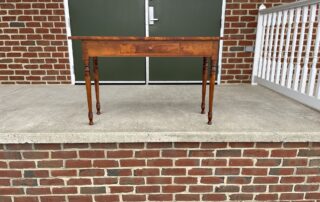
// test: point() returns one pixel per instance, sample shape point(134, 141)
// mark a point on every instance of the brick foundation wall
point(160, 171)
point(33, 46)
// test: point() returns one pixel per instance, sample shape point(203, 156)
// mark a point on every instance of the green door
point(127, 18)
point(182, 18)
point(109, 18)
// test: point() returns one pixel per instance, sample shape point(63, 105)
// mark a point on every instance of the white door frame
point(147, 81)
point(70, 50)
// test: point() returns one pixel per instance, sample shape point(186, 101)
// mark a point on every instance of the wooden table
point(106, 46)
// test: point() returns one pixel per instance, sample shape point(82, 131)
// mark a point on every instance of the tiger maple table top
point(133, 46)
point(134, 38)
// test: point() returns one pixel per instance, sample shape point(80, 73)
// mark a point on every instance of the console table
point(107, 46)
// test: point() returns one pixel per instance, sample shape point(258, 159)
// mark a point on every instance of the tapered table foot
point(209, 118)
point(203, 111)
point(98, 108)
point(90, 116)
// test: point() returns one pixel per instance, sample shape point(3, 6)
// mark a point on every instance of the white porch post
point(259, 41)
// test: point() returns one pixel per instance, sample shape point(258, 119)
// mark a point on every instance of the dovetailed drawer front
point(149, 48)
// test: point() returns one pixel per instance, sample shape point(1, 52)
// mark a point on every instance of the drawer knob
point(150, 48)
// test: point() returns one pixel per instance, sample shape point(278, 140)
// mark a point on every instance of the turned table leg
point(96, 83)
point(204, 84)
point(211, 90)
point(88, 88)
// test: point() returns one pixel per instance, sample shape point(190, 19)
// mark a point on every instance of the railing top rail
point(289, 6)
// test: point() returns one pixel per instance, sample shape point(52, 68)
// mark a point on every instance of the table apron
point(150, 48)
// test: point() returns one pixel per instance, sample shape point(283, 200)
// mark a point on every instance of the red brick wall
point(240, 24)
point(160, 171)
point(33, 46)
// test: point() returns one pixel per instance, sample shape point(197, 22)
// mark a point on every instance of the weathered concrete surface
point(152, 113)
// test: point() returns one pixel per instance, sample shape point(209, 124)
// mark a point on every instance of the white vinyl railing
point(286, 52)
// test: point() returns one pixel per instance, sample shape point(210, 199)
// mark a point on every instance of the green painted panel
point(183, 18)
point(108, 18)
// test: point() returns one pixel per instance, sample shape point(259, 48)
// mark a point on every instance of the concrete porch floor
point(48, 114)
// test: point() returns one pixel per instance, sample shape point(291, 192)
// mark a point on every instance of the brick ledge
point(132, 137)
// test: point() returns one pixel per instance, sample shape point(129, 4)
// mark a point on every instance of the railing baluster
point(313, 71)
point(286, 51)
point(293, 46)
point(318, 87)
point(306, 57)
point(262, 45)
point(266, 47)
point(301, 42)
point(274, 62)
point(273, 23)
point(283, 22)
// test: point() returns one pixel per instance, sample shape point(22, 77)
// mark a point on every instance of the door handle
point(151, 16)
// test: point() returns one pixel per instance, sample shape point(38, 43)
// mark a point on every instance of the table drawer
point(149, 48)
